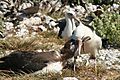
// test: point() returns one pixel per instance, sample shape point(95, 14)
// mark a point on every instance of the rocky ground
point(109, 58)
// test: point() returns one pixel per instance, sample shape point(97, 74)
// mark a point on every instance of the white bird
point(91, 46)
point(70, 24)
point(72, 31)
point(77, 34)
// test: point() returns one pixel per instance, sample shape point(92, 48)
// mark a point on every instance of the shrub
point(108, 26)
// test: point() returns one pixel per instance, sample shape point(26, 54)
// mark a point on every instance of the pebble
point(70, 78)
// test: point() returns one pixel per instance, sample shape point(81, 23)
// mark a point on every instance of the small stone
point(70, 78)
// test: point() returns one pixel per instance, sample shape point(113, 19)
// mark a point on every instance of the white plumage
point(54, 67)
point(72, 31)
point(91, 46)
point(70, 25)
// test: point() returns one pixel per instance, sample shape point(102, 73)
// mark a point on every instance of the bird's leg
point(77, 53)
point(74, 65)
point(79, 46)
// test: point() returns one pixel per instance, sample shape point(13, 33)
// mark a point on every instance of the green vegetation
point(108, 26)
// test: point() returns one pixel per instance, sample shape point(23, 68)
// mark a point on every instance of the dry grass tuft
point(82, 73)
point(15, 43)
point(45, 40)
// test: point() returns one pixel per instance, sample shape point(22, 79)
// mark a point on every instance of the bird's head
point(70, 13)
point(72, 46)
point(69, 48)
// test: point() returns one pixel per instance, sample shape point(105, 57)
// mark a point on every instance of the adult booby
point(77, 32)
point(70, 24)
point(37, 62)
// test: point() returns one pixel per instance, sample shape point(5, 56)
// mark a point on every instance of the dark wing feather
point(27, 60)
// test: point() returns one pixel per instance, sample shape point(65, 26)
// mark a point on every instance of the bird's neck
point(70, 27)
point(70, 24)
